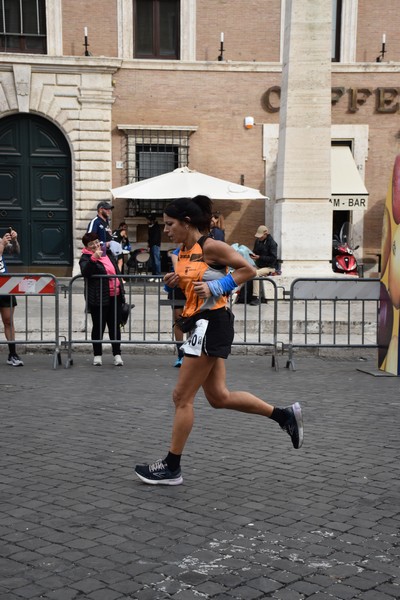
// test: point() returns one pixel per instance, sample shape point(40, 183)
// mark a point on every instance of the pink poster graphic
point(389, 304)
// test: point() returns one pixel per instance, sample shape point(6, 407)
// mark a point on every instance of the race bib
point(194, 343)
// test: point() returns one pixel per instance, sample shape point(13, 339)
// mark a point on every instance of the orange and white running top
point(192, 267)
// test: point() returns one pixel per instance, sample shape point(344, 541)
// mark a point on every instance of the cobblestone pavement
point(253, 519)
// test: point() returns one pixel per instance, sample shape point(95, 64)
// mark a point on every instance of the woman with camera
point(104, 296)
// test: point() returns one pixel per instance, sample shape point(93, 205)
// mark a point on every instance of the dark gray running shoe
point(294, 424)
point(158, 473)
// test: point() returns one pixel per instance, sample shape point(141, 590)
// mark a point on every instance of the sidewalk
point(253, 519)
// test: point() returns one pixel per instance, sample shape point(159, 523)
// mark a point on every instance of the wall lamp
point(383, 49)
point(221, 47)
point(86, 43)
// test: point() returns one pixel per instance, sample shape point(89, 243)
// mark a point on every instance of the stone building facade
point(99, 111)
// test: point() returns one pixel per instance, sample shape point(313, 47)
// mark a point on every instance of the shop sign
point(387, 99)
point(349, 202)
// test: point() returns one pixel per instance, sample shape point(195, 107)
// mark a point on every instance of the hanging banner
point(389, 303)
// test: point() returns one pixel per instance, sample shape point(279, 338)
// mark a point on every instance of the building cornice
point(249, 67)
point(210, 66)
point(367, 67)
point(79, 64)
point(60, 64)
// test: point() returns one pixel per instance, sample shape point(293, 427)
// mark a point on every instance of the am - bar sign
point(349, 202)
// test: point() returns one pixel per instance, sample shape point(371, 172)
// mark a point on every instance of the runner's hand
point(202, 289)
point(171, 279)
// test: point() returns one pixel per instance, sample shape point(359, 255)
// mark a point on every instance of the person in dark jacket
point(265, 255)
point(216, 227)
point(100, 225)
point(104, 296)
point(154, 244)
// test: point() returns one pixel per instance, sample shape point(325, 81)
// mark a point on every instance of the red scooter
point(343, 259)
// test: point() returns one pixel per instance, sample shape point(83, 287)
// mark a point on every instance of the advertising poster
point(389, 303)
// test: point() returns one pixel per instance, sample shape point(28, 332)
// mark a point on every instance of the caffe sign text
point(386, 99)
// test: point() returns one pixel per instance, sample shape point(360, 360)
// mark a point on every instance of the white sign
point(349, 202)
point(27, 286)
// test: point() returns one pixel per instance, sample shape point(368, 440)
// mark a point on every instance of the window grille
point(152, 160)
point(152, 151)
point(23, 26)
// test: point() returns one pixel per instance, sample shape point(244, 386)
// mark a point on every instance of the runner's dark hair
point(196, 211)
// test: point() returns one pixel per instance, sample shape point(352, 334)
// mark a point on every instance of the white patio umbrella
point(185, 183)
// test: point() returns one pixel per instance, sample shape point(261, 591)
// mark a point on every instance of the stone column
point(303, 214)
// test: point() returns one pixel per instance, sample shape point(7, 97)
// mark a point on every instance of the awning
point(347, 187)
point(185, 183)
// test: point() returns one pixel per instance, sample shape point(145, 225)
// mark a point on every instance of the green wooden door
point(35, 190)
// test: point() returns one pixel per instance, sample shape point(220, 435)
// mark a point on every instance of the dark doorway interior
point(339, 218)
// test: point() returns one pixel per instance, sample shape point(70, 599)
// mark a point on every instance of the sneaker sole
point(176, 481)
point(299, 420)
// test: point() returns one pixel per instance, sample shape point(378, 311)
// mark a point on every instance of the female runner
point(201, 273)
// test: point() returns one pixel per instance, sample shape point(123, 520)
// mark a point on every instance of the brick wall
point(100, 17)
point(251, 29)
point(375, 19)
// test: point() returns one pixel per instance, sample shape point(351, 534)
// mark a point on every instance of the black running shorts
point(8, 301)
point(220, 333)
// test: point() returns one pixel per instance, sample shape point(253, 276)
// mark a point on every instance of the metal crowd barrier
point(322, 313)
point(333, 312)
point(151, 319)
point(36, 316)
point(261, 331)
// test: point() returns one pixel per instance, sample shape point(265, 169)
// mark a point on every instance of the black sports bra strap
point(215, 266)
point(201, 240)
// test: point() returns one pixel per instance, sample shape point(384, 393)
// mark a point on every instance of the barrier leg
point(56, 358)
point(274, 362)
point(290, 364)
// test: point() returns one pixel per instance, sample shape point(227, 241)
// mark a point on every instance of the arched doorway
point(35, 193)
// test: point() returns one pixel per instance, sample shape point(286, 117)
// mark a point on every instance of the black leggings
point(109, 315)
